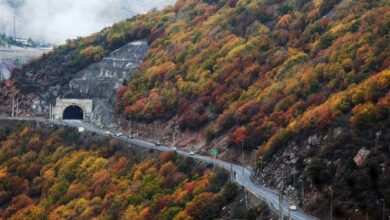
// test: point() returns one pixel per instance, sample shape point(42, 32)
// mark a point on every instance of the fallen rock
point(337, 132)
point(314, 140)
point(361, 157)
point(294, 160)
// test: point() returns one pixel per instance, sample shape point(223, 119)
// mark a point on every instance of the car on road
point(157, 144)
point(192, 153)
point(107, 132)
point(293, 207)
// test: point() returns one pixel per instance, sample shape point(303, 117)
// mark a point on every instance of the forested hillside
point(46, 174)
point(303, 85)
point(259, 71)
point(306, 84)
point(264, 71)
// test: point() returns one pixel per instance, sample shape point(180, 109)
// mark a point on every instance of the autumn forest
point(300, 85)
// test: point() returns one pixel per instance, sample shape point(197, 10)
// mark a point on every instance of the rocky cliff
point(98, 81)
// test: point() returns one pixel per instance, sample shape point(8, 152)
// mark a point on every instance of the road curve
point(261, 192)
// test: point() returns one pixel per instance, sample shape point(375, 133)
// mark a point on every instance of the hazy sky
point(57, 20)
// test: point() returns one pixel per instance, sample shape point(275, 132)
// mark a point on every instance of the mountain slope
point(60, 174)
point(304, 84)
point(59, 66)
point(253, 67)
point(294, 80)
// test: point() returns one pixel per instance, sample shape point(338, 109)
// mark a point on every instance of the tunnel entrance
point(73, 112)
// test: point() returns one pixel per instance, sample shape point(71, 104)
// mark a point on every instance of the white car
point(107, 132)
point(192, 153)
point(293, 207)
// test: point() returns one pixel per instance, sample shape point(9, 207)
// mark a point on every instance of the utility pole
point(281, 204)
point(173, 137)
point(130, 126)
point(243, 172)
point(261, 169)
point(383, 209)
point(13, 107)
point(295, 183)
point(282, 178)
point(281, 197)
point(155, 132)
point(302, 194)
point(242, 162)
point(378, 135)
point(17, 107)
point(15, 26)
point(232, 172)
point(331, 202)
point(215, 161)
point(51, 112)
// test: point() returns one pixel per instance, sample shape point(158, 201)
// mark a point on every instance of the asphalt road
point(261, 192)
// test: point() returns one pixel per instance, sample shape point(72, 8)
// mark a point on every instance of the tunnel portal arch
point(73, 109)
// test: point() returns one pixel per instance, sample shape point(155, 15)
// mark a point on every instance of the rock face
point(314, 140)
point(102, 79)
point(100, 82)
point(361, 157)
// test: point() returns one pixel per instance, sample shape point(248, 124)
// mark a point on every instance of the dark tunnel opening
point(73, 112)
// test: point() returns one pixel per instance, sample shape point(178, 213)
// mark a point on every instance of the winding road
point(261, 192)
